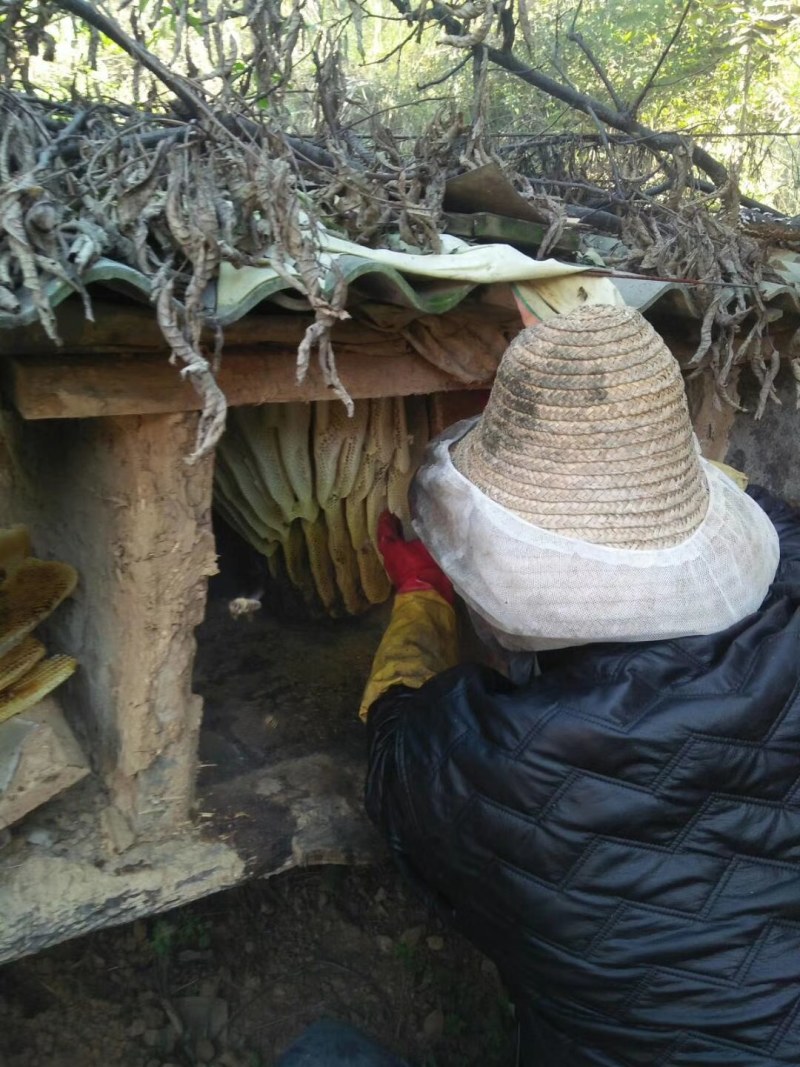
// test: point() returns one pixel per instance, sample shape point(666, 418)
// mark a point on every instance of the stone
point(433, 1026)
point(152, 1038)
point(435, 943)
point(119, 836)
point(204, 1050)
point(39, 758)
point(40, 837)
point(230, 1059)
point(412, 936)
point(153, 1017)
point(203, 1015)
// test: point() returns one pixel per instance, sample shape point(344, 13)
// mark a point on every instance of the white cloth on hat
point(537, 589)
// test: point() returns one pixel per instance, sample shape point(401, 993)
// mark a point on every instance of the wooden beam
point(444, 409)
point(84, 386)
point(305, 810)
point(132, 329)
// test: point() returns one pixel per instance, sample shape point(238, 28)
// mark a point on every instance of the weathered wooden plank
point(84, 386)
point(132, 328)
point(487, 226)
point(66, 873)
point(446, 408)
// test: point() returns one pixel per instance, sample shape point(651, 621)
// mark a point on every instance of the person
point(614, 817)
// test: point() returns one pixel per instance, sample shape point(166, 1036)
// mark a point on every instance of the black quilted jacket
point(621, 836)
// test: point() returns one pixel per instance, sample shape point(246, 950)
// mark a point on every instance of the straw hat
point(587, 433)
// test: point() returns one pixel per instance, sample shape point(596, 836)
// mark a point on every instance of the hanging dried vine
point(214, 171)
point(176, 194)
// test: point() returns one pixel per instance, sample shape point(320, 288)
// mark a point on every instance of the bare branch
point(579, 101)
point(89, 14)
point(577, 38)
point(525, 25)
point(445, 77)
point(397, 48)
point(637, 103)
point(610, 155)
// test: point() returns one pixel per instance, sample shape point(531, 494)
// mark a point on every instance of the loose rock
point(433, 1026)
point(204, 1050)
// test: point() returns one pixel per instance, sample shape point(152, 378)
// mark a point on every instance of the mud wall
point(115, 498)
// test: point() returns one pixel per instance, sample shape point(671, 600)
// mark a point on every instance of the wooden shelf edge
point(89, 386)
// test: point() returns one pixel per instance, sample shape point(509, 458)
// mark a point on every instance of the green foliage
point(410, 957)
point(730, 79)
point(187, 931)
point(161, 939)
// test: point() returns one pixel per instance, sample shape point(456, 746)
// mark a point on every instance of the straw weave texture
point(587, 433)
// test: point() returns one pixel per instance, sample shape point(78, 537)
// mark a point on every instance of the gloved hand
point(422, 636)
point(409, 564)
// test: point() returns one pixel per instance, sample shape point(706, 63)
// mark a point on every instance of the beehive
point(93, 457)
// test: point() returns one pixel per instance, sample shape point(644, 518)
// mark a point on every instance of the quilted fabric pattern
point(622, 836)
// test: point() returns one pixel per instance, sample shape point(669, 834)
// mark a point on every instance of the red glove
point(409, 564)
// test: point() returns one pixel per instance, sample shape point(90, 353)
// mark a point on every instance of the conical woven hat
point(587, 433)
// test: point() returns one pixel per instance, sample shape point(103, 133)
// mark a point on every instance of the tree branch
point(618, 121)
point(444, 77)
point(637, 103)
point(577, 38)
point(89, 14)
point(579, 101)
point(611, 161)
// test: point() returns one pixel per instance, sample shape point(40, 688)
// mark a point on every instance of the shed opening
point(295, 615)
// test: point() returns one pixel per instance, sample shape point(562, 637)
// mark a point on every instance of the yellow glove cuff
point(420, 641)
point(739, 477)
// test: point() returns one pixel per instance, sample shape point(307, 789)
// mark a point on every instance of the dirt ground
point(231, 980)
